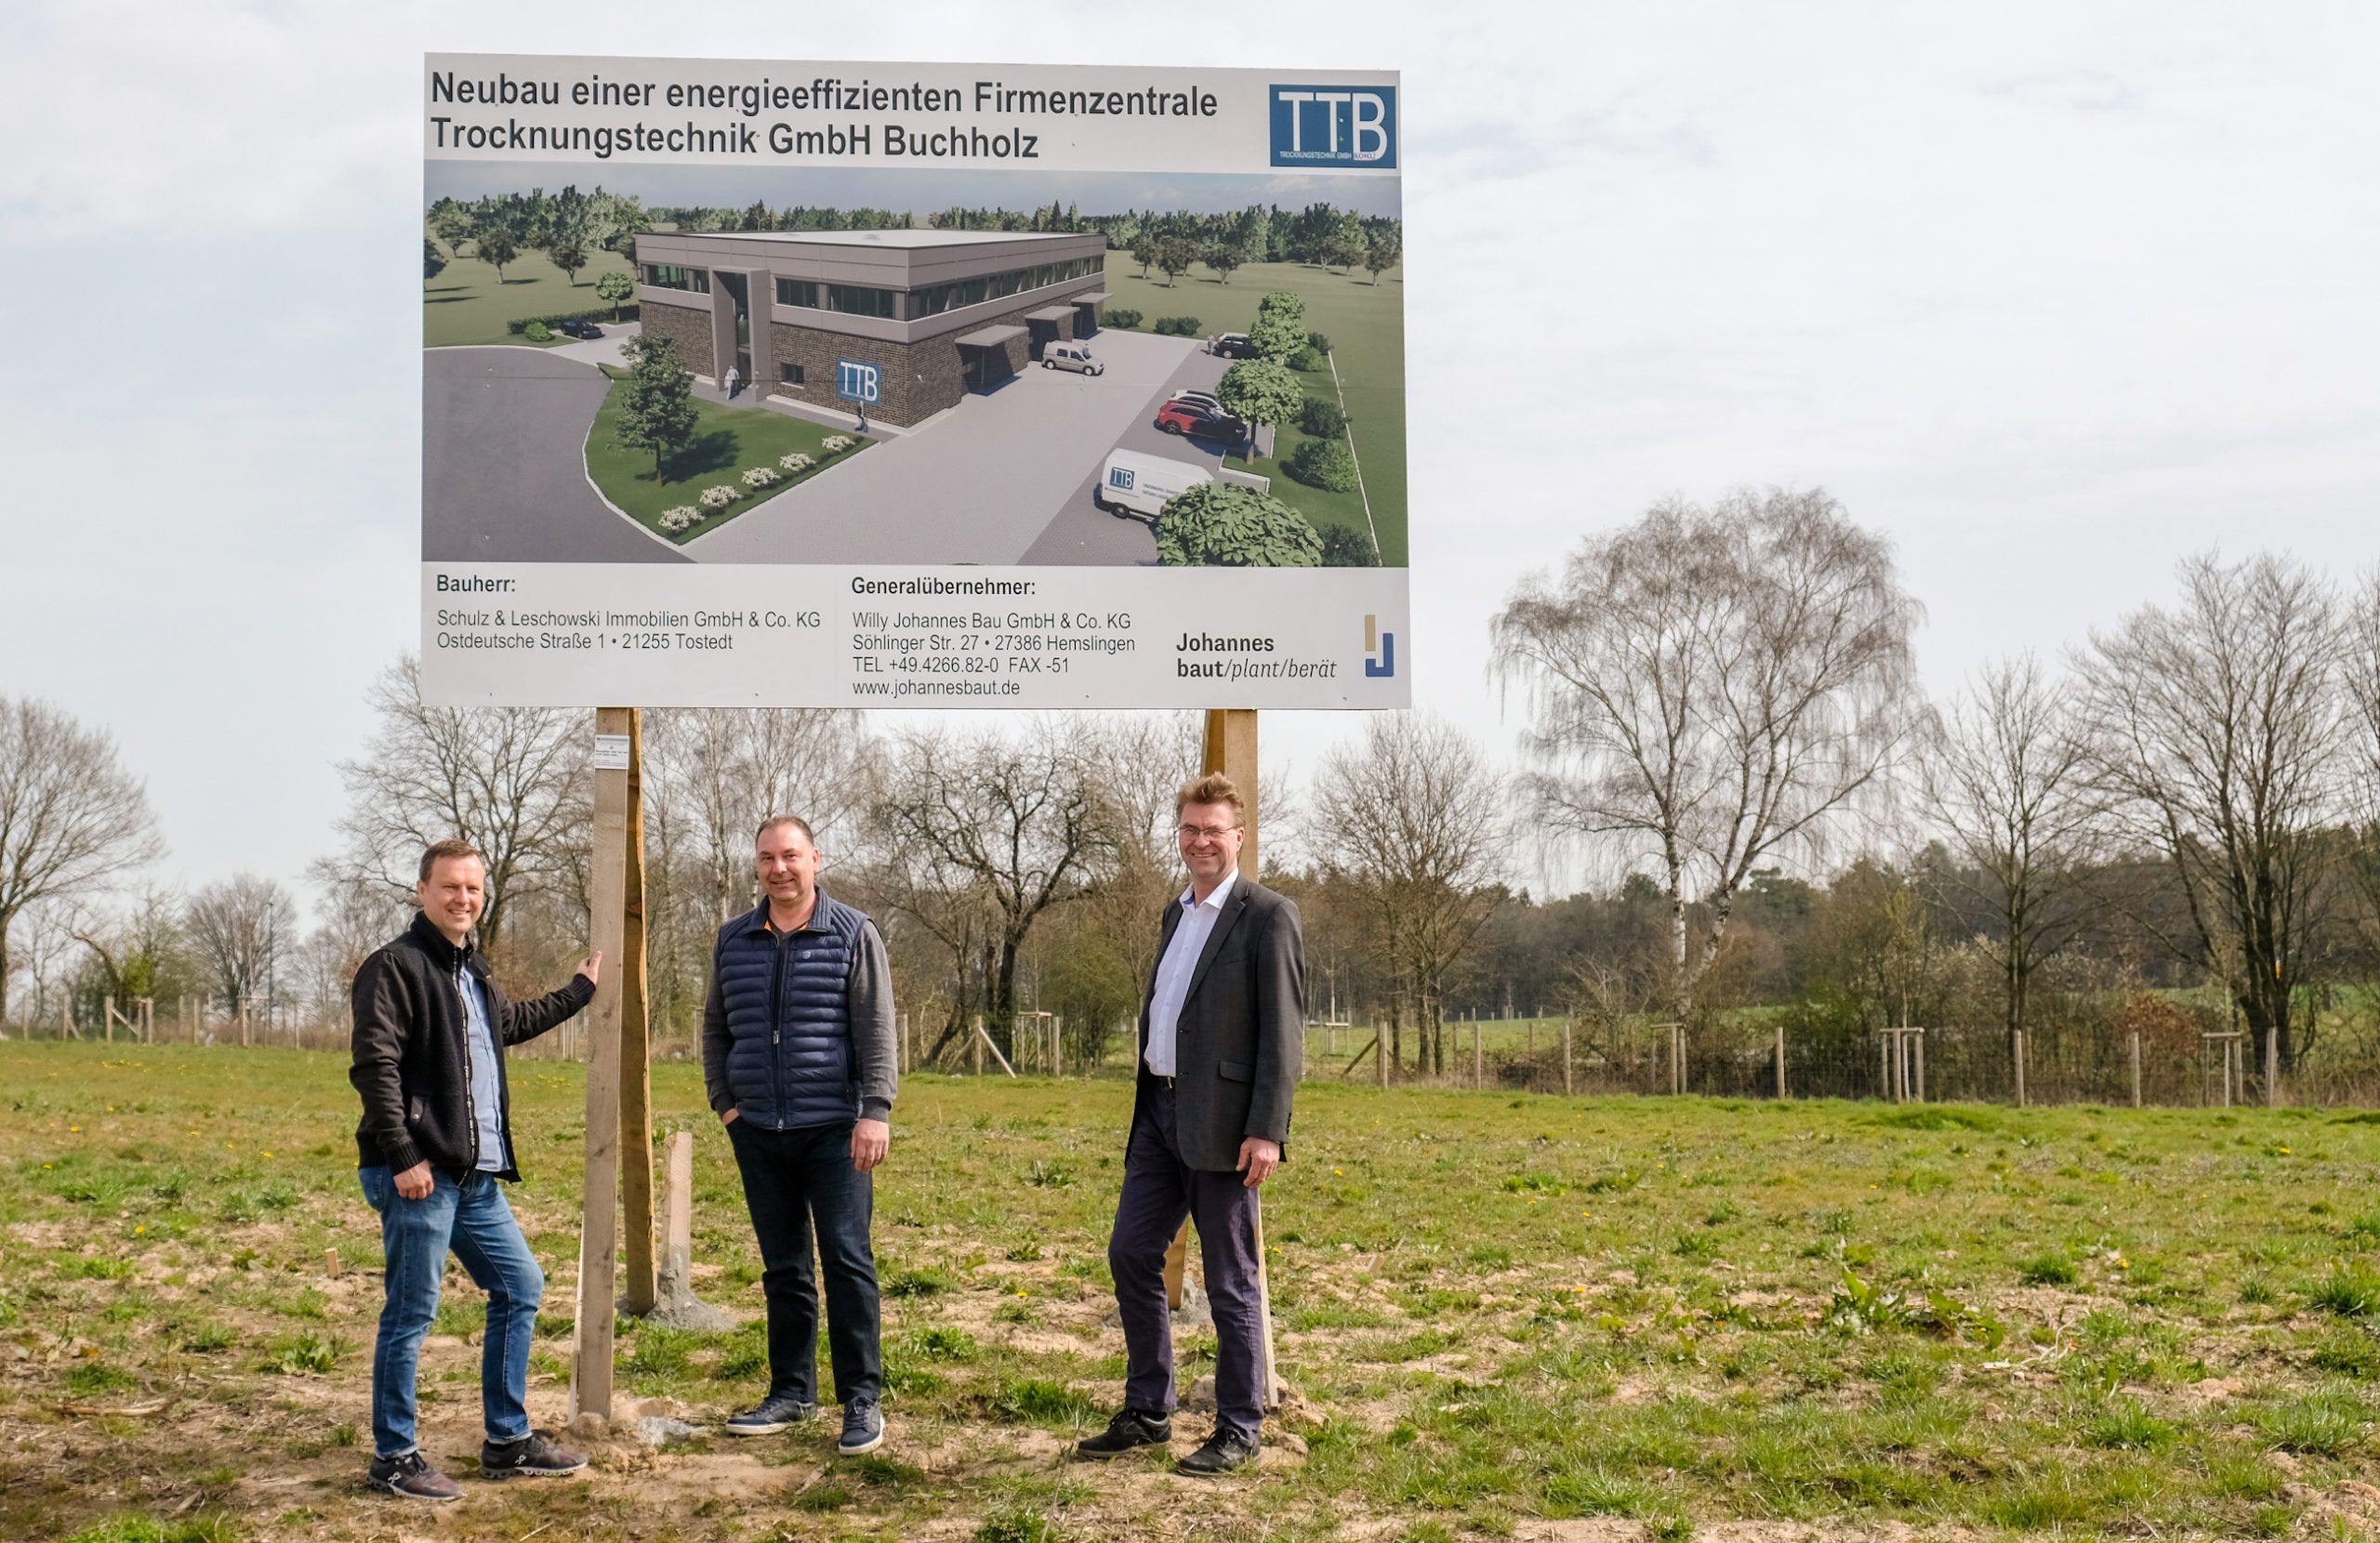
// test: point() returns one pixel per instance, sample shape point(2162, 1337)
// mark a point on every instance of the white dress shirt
point(1173, 971)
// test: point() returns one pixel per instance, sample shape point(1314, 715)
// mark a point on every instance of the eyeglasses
point(1212, 833)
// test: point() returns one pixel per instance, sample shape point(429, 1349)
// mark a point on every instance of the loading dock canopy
point(1096, 298)
point(988, 337)
point(1052, 313)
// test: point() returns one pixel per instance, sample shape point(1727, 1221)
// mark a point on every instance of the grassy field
point(465, 304)
point(727, 441)
point(1366, 325)
point(1498, 1316)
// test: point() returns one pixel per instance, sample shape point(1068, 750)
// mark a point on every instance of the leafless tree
point(2223, 730)
point(1713, 688)
point(239, 927)
point(2361, 669)
point(974, 837)
point(2008, 781)
point(508, 780)
point(1415, 821)
point(721, 772)
point(70, 817)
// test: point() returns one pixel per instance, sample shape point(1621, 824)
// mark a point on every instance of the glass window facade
point(798, 292)
point(860, 301)
point(663, 275)
point(932, 300)
point(789, 375)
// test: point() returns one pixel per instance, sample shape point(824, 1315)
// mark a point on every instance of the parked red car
point(1181, 417)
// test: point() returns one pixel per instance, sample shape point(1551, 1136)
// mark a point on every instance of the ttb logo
point(1119, 479)
point(857, 380)
point(1379, 649)
point(1334, 126)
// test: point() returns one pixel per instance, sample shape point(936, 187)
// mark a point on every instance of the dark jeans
point(474, 1219)
point(1159, 1190)
point(797, 1181)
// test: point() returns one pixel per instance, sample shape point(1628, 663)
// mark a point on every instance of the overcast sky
point(2052, 294)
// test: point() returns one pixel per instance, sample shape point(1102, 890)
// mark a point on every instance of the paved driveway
point(503, 461)
point(982, 485)
point(1083, 534)
point(601, 350)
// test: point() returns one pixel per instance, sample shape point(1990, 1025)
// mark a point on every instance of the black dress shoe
point(1130, 1427)
point(1224, 1451)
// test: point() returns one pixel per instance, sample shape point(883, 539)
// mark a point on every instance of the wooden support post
point(678, 1244)
point(147, 1019)
point(975, 1043)
point(244, 1023)
point(1677, 1058)
point(984, 1042)
point(1885, 1067)
point(1058, 1047)
point(2020, 1068)
point(590, 1372)
point(640, 1290)
point(1478, 1057)
point(2136, 1068)
point(2272, 1067)
point(1780, 1060)
point(1921, 1065)
point(1566, 1055)
point(110, 1020)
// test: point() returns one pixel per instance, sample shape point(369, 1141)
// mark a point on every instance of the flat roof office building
point(938, 313)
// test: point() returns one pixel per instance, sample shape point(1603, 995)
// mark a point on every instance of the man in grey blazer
point(1222, 1038)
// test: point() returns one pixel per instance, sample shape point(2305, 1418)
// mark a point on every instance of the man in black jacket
point(1221, 1038)
point(431, 1027)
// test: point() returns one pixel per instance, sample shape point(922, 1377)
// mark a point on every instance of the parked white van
point(1135, 485)
point(1071, 356)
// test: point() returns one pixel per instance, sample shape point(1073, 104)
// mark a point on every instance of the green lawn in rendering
point(464, 304)
point(1366, 325)
point(1496, 1312)
point(728, 441)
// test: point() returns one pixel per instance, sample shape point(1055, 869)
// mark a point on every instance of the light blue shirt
point(487, 1098)
point(1173, 971)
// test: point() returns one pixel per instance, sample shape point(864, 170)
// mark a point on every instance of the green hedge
point(601, 316)
point(1322, 419)
point(1307, 362)
point(1126, 319)
point(1325, 463)
point(1175, 326)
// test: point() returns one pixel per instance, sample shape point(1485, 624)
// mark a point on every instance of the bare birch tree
point(239, 927)
point(1414, 821)
point(70, 817)
point(2223, 732)
point(501, 778)
point(2007, 779)
point(722, 770)
point(1713, 688)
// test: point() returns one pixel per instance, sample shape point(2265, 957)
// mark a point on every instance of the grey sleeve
point(875, 1049)
point(715, 1042)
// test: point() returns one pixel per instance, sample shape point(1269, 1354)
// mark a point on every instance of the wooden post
point(2136, 1068)
point(590, 1371)
point(244, 1023)
point(1566, 1055)
point(1058, 1045)
point(1884, 1066)
point(678, 1258)
point(640, 1290)
point(976, 1046)
point(1921, 1065)
point(109, 1019)
point(2272, 1067)
point(2020, 1068)
point(1780, 1060)
point(1677, 1058)
point(902, 1044)
point(147, 1019)
point(1478, 1059)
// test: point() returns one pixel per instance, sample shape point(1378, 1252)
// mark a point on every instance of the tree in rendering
point(656, 401)
point(2223, 734)
point(1174, 257)
point(1345, 241)
point(452, 224)
point(1221, 258)
point(433, 261)
point(497, 248)
point(1222, 525)
point(1261, 392)
point(1144, 251)
point(1385, 251)
point(70, 817)
point(569, 257)
point(1280, 329)
point(616, 289)
point(1713, 688)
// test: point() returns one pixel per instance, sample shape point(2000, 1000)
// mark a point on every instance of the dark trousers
point(797, 1182)
point(1159, 1191)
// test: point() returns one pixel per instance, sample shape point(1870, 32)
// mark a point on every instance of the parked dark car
point(1233, 345)
point(579, 326)
point(1190, 418)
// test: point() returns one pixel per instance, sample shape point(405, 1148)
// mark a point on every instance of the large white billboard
point(814, 384)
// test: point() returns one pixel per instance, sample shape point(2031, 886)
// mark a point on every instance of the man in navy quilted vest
point(799, 1061)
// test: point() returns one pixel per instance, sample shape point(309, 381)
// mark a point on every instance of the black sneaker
point(533, 1457)
point(1130, 1427)
point(771, 1415)
point(411, 1477)
point(863, 1428)
point(1224, 1451)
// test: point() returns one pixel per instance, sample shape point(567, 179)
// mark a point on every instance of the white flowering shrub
point(684, 517)
point(796, 463)
point(717, 499)
point(761, 477)
point(836, 443)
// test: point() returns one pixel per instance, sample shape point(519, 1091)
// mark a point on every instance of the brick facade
point(918, 379)
point(689, 328)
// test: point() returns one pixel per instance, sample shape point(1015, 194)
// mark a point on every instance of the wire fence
point(1910, 1064)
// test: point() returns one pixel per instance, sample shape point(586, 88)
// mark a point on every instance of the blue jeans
point(473, 1220)
point(800, 1185)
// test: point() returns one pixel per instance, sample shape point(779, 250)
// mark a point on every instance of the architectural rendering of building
point(906, 322)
